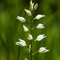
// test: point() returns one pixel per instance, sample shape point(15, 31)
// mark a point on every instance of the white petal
point(39, 16)
point(28, 12)
point(35, 6)
point(29, 37)
point(40, 26)
point(43, 50)
point(21, 19)
point(25, 28)
point(40, 37)
point(21, 43)
point(17, 43)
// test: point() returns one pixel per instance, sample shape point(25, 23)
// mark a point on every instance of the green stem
point(34, 53)
point(30, 53)
point(18, 53)
point(33, 28)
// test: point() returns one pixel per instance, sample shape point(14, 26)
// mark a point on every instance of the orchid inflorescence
point(30, 37)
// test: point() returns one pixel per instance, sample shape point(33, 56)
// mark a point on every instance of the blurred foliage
point(11, 29)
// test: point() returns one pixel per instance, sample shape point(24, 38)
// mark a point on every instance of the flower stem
point(18, 53)
point(34, 53)
point(30, 53)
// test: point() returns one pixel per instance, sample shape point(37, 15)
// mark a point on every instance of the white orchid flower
point(40, 37)
point(21, 43)
point(39, 16)
point(43, 50)
point(30, 37)
point(21, 19)
point(40, 26)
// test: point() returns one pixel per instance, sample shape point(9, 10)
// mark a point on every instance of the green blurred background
point(11, 29)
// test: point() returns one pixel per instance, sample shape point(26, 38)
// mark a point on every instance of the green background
point(11, 29)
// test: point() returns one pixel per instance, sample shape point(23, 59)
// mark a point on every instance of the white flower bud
point(30, 37)
point(35, 6)
point(40, 37)
point(31, 5)
point(43, 50)
point(29, 48)
point(39, 16)
point(28, 12)
point(21, 19)
point(21, 43)
point(25, 59)
point(40, 26)
point(25, 28)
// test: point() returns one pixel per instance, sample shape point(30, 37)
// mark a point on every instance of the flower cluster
point(25, 28)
